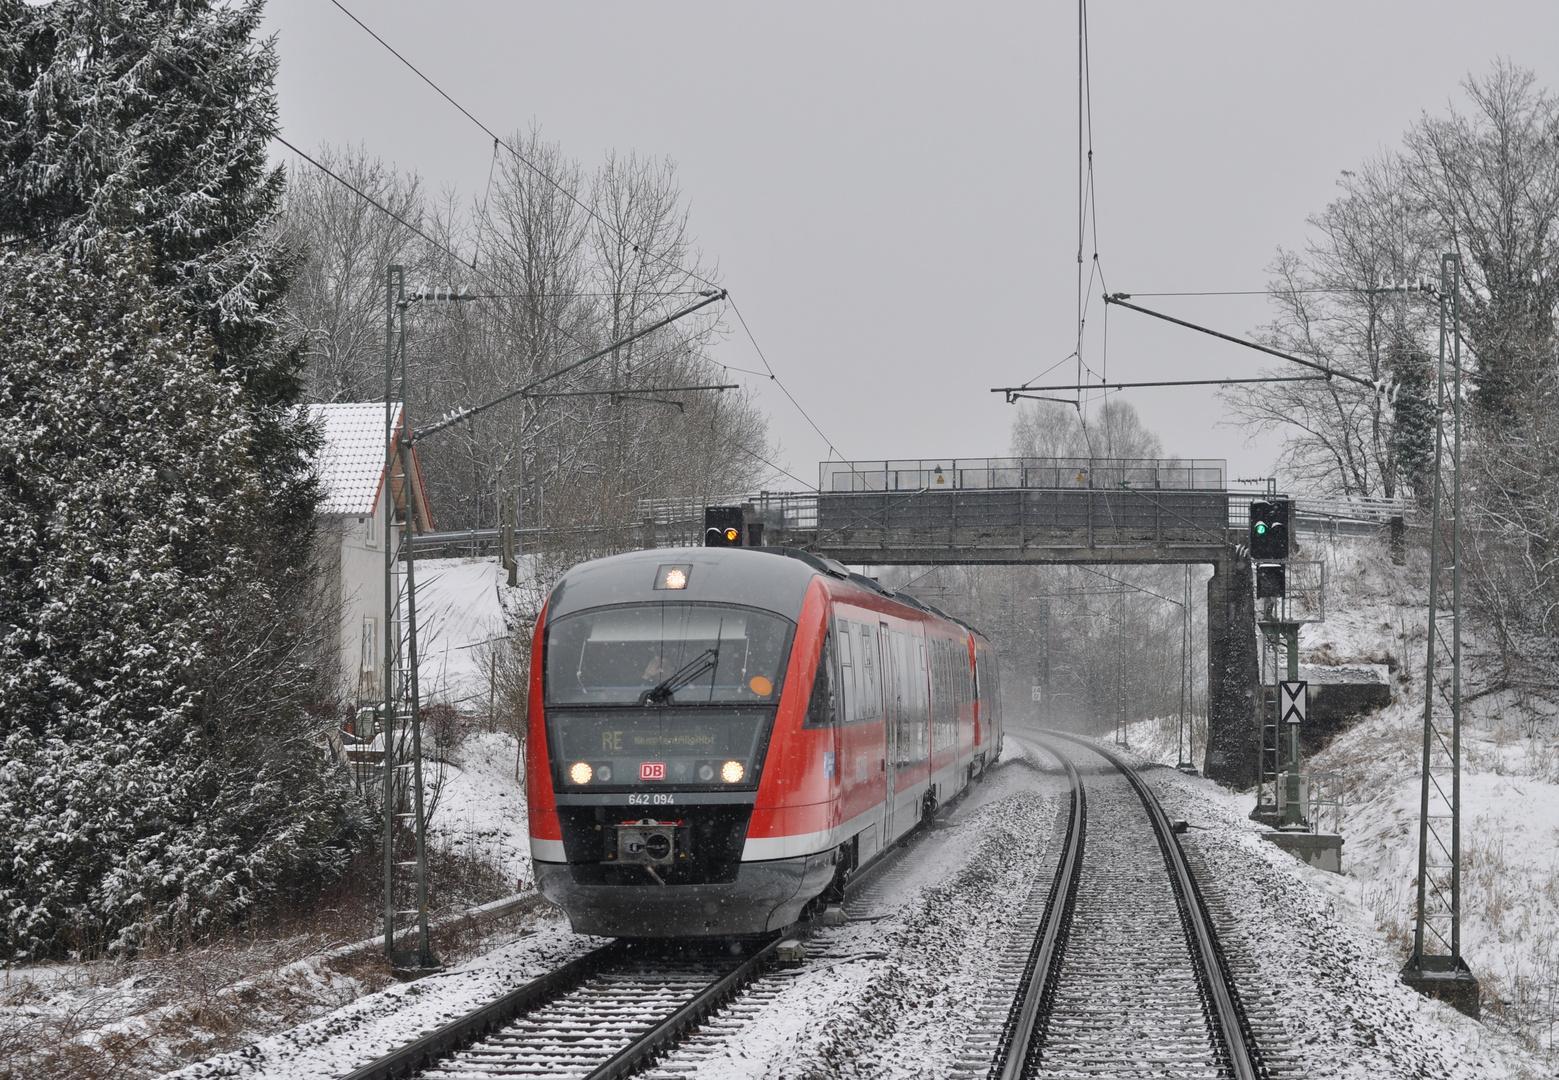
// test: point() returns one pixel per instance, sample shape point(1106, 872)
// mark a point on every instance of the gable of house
point(351, 462)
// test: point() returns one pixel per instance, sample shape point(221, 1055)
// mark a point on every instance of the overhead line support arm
point(1119, 299)
point(1015, 392)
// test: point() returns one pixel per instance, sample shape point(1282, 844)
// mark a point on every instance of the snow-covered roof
point(351, 461)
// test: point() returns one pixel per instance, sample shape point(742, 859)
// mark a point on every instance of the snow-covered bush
point(156, 777)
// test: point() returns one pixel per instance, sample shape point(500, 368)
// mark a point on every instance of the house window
point(370, 643)
point(370, 530)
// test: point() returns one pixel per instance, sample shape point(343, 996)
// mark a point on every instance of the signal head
point(723, 526)
point(1269, 529)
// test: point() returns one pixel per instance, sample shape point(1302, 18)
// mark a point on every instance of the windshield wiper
point(662, 692)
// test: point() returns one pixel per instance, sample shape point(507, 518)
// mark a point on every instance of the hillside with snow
point(1376, 614)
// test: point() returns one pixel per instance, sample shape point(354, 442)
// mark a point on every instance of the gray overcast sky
point(890, 190)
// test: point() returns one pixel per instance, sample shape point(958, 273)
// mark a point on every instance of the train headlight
point(604, 774)
point(580, 772)
point(706, 772)
point(732, 772)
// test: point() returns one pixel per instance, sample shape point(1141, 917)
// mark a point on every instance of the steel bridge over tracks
point(1056, 512)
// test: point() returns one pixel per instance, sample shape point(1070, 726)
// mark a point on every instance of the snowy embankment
point(481, 806)
point(466, 608)
point(897, 992)
point(889, 994)
point(1377, 614)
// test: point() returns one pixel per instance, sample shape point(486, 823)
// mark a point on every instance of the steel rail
point(1044, 962)
point(1229, 1019)
point(457, 1034)
point(647, 1046)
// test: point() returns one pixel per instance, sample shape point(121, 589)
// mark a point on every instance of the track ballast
point(1125, 977)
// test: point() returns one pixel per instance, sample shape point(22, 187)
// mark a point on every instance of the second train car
point(719, 737)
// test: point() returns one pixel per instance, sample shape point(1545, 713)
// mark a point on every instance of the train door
point(891, 709)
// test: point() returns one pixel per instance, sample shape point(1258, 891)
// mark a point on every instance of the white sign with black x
point(1291, 702)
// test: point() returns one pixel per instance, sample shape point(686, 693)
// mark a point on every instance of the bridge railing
point(965, 514)
point(960, 474)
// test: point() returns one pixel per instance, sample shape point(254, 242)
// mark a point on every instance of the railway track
point(1125, 977)
point(604, 1015)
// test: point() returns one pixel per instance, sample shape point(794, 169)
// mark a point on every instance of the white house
point(356, 521)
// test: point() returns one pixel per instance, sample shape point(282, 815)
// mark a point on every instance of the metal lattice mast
point(1436, 965)
point(407, 742)
point(394, 287)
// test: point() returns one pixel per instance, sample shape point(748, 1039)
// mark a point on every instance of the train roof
point(771, 578)
point(713, 575)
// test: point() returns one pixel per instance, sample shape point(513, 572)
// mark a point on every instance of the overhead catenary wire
point(1127, 584)
point(359, 192)
point(783, 389)
point(353, 188)
point(472, 263)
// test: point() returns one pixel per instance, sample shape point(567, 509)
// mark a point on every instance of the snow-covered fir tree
point(157, 774)
point(150, 119)
point(148, 784)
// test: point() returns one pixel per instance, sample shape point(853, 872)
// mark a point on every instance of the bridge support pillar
point(1233, 727)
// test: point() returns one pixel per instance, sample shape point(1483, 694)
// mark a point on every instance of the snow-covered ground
point(1377, 614)
point(1309, 944)
point(481, 806)
point(893, 995)
point(465, 607)
point(899, 991)
point(334, 1045)
point(99, 1019)
point(886, 990)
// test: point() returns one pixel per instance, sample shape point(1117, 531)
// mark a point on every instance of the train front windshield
point(655, 693)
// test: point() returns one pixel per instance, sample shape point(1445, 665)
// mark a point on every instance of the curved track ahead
point(1125, 977)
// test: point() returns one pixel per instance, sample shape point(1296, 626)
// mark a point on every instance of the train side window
point(822, 709)
point(871, 674)
point(945, 709)
point(849, 691)
point(923, 700)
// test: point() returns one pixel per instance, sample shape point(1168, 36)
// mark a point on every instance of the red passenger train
point(719, 737)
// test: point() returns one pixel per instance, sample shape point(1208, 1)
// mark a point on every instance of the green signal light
point(1261, 528)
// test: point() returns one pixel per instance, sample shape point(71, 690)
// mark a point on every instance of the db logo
point(652, 770)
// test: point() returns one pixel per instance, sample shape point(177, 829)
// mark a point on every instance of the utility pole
point(400, 441)
point(1120, 665)
point(1436, 967)
point(394, 287)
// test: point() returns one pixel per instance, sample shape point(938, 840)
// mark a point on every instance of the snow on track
point(898, 990)
point(1307, 957)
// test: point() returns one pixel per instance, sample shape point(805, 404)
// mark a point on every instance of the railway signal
point(1269, 529)
point(722, 526)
